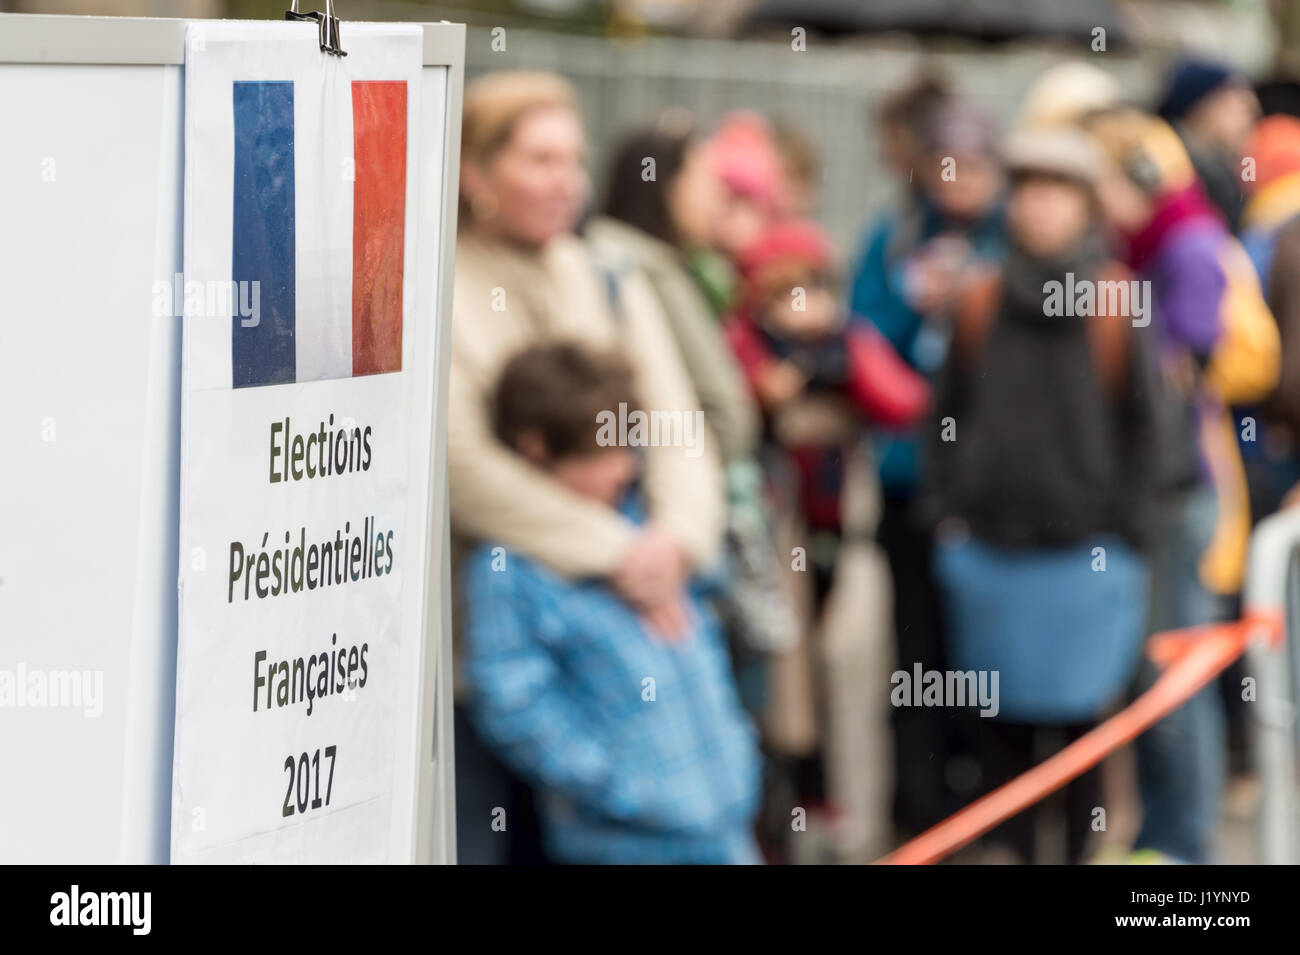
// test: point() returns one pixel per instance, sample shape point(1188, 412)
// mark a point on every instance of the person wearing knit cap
point(793, 340)
point(746, 158)
point(1273, 193)
point(1191, 81)
point(1269, 431)
point(1270, 231)
point(817, 380)
point(912, 261)
point(1213, 108)
point(959, 165)
point(792, 336)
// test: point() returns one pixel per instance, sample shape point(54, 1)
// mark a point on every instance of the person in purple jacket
point(1173, 238)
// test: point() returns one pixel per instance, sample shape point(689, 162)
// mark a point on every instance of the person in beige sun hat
point(1066, 93)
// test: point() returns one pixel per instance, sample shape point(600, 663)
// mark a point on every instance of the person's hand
point(652, 578)
point(779, 382)
point(670, 621)
point(930, 287)
point(936, 274)
point(653, 570)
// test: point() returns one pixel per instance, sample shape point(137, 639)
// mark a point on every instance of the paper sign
point(298, 562)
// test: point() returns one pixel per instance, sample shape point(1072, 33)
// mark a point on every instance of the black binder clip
point(328, 23)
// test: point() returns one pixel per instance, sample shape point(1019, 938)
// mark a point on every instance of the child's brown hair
point(556, 391)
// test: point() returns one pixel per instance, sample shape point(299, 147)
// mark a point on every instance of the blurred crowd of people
point(1027, 424)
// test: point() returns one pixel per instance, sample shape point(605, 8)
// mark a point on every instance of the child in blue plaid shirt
point(637, 742)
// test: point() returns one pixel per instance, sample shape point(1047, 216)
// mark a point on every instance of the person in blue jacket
point(914, 263)
point(636, 742)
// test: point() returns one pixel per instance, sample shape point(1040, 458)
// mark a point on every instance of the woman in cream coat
point(522, 277)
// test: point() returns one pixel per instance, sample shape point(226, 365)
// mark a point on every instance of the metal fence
point(826, 93)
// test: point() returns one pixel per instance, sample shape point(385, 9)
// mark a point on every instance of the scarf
point(1172, 209)
point(1025, 274)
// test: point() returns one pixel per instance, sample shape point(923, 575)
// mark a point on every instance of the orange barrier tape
point(1192, 658)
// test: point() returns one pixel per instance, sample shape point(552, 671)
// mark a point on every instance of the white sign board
point(302, 559)
point(91, 193)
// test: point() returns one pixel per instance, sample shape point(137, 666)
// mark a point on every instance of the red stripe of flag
point(378, 225)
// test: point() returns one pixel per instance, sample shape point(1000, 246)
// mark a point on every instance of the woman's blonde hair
point(495, 102)
point(1146, 148)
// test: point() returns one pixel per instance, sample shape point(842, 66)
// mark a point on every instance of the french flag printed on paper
point(298, 187)
point(266, 227)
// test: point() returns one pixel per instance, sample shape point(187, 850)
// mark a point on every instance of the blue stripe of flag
point(264, 354)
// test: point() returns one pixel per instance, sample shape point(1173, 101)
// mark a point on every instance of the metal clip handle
point(327, 23)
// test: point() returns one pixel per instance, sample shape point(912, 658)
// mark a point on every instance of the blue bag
point(1064, 637)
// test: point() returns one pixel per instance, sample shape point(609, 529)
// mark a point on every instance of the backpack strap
point(1108, 335)
point(977, 308)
